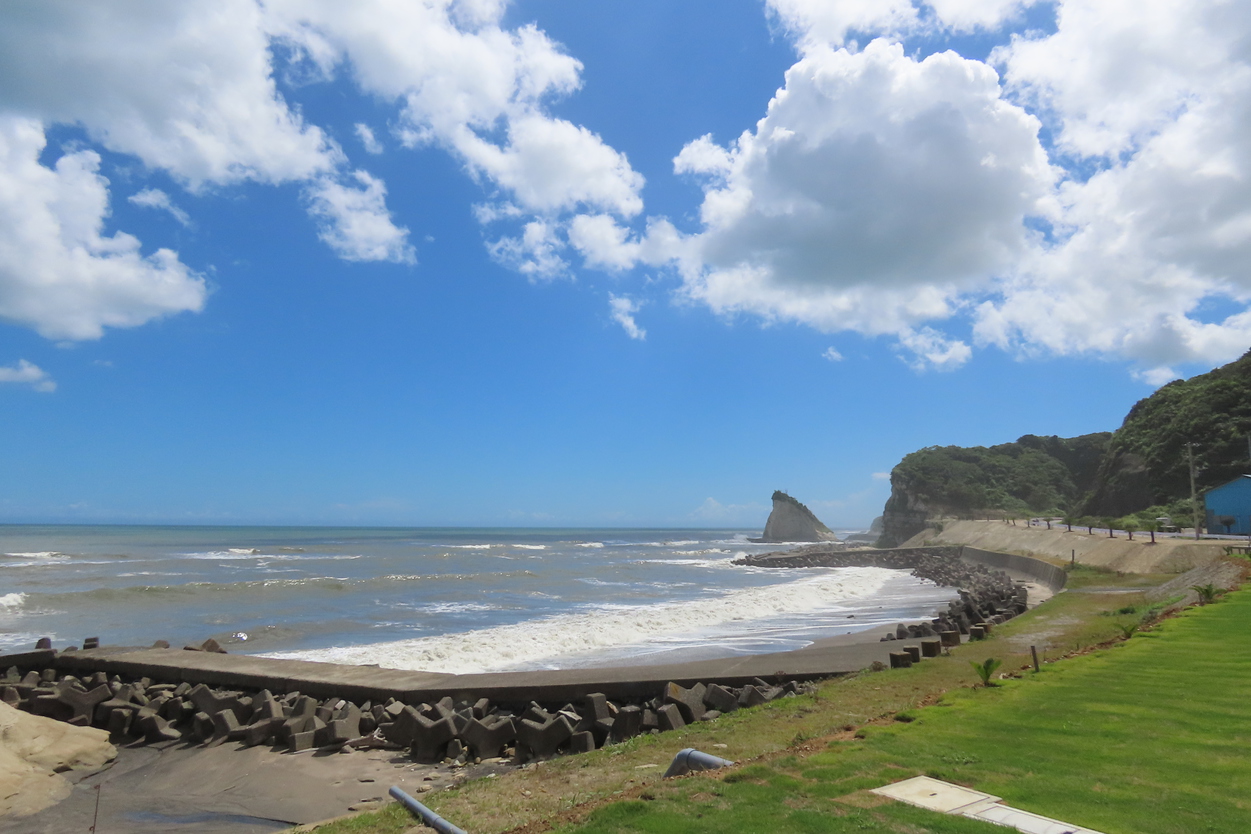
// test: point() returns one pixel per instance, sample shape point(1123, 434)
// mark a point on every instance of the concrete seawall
point(362, 683)
point(1165, 556)
point(1042, 572)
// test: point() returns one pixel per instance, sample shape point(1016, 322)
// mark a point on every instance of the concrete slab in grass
point(1027, 822)
point(946, 798)
point(935, 794)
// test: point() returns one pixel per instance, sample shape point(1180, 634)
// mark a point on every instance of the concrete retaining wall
point(1119, 554)
point(1045, 572)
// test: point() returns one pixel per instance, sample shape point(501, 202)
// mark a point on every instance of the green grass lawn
point(1151, 736)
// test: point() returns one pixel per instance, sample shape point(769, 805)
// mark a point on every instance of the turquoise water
point(450, 599)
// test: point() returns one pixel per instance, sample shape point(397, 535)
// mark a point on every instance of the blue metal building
point(1231, 500)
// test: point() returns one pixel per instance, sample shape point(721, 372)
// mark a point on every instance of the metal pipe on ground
point(430, 818)
point(691, 760)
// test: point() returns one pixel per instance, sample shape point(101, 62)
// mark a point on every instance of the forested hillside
point(1146, 464)
point(1140, 470)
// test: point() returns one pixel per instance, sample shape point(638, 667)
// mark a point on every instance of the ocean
point(450, 600)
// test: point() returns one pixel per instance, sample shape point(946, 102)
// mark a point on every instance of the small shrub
point(1207, 593)
point(1127, 630)
point(986, 669)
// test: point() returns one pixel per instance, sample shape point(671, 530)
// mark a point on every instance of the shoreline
point(222, 804)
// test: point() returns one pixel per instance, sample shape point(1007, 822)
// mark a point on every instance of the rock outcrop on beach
point(791, 521)
point(35, 750)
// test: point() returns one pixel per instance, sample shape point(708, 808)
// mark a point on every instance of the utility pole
point(1194, 504)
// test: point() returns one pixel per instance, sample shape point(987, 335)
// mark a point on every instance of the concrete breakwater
point(444, 730)
point(987, 597)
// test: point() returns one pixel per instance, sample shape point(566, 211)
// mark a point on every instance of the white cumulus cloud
point(26, 373)
point(875, 191)
point(368, 140)
point(354, 220)
point(895, 196)
point(59, 273)
point(187, 87)
point(190, 89)
point(820, 22)
point(534, 253)
point(1152, 261)
point(623, 310)
point(466, 82)
point(157, 199)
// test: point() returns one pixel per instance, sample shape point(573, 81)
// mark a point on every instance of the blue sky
point(473, 263)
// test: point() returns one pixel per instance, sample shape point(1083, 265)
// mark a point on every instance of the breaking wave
point(502, 647)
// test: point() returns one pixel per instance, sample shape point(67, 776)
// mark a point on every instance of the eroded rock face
point(34, 750)
point(791, 521)
point(905, 514)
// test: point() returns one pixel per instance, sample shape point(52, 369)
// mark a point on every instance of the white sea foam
point(698, 563)
point(245, 554)
point(454, 607)
point(595, 545)
point(502, 647)
point(529, 546)
point(42, 554)
point(11, 602)
point(472, 546)
point(220, 555)
point(21, 639)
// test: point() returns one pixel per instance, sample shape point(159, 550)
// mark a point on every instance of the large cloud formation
point(1082, 191)
point(189, 89)
point(874, 192)
point(1152, 259)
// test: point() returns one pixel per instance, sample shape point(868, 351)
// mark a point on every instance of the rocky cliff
point(791, 521)
point(1030, 476)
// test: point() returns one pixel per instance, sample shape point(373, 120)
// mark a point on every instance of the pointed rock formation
point(791, 521)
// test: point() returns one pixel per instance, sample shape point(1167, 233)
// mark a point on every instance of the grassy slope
point(1148, 736)
point(571, 786)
